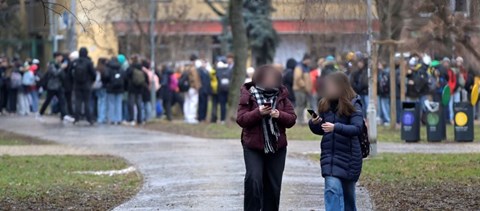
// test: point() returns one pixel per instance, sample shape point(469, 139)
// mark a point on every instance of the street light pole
point(153, 17)
point(371, 111)
point(72, 36)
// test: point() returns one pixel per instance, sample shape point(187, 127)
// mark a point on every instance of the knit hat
point(35, 61)
point(446, 59)
point(74, 55)
point(330, 58)
point(121, 58)
point(459, 59)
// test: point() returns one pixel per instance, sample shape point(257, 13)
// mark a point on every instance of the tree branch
point(215, 9)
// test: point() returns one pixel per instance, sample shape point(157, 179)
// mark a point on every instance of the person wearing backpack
point(84, 75)
point(53, 84)
point(224, 77)
point(340, 123)
point(137, 82)
point(384, 93)
point(114, 82)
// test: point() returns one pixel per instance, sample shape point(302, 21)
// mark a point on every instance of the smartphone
point(267, 105)
point(312, 113)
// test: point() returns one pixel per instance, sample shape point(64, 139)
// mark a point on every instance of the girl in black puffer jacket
point(340, 122)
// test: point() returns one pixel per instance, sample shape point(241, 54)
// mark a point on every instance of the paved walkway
point(185, 173)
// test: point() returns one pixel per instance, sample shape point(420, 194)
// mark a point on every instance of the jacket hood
point(83, 52)
point(113, 64)
point(291, 63)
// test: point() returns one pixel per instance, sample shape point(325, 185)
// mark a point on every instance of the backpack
point(54, 82)
point(384, 84)
point(363, 137)
point(223, 79)
point(15, 80)
point(138, 77)
point(183, 82)
point(28, 79)
point(117, 79)
point(80, 74)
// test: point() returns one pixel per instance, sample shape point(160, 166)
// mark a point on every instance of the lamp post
point(371, 111)
point(153, 17)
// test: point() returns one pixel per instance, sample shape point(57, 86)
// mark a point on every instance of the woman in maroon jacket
point(264, 113)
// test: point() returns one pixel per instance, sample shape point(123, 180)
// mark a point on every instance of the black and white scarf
point(269, 125)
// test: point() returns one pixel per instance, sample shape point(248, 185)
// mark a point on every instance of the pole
point(371, 111)
point(53, 31)
point(153, 17)
point(393, 88)
point(72, 31)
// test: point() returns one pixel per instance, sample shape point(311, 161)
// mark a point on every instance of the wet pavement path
point(185, 173)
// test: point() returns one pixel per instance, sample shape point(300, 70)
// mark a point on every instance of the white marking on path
point(109, 173)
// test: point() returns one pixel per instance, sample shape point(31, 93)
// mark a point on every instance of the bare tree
point(239, 46)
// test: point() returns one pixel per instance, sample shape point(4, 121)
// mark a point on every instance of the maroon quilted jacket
point(250, 119)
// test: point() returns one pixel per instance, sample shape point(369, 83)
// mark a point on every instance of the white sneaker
point(68, 118)
point(133, 123)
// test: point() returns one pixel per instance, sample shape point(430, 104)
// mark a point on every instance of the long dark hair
point(345, 107)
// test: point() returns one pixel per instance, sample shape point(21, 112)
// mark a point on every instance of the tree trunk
point(239, 45)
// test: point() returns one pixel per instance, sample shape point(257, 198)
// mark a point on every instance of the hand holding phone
point(264, 110)
point(312, 113)
point(267, 105)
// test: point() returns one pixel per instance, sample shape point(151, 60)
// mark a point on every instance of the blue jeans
point(147, 111)
point(101, 105)
point(384, 104)
point(339, 194)
point(115, 107)
point(35, 96)
point(454, 98)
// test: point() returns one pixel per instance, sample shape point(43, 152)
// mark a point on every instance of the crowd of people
point(118, 90)
point(425, 80)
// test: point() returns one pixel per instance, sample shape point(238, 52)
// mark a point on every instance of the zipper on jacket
point(333, 146)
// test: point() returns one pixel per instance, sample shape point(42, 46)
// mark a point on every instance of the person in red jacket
point(264, 113)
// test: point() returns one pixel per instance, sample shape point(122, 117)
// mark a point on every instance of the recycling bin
point(463, 128)
point(435, 122)
point(410, 122)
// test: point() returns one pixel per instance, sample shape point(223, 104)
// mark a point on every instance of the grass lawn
point(217, 131)
point(48, 183)
point(423, 181)
point(7, 138)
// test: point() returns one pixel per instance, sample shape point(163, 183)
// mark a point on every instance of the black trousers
point(82, 100)
point(263, 179)
point(135, 99)
point(214, 117)
point(61, 101)
point(12, 100)
point(69, 102)
point(202, 107)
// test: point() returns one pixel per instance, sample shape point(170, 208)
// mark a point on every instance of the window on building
point(461, 6)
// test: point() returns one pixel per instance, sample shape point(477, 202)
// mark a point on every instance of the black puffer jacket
point(341, 154)
point(114, 78)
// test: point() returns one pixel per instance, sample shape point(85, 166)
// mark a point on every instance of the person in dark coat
point(264, 113)
point(288, 78)
point(359, 80)
point(137, 81)
point(114, 81)
point(340, 122)
point(84, 75)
